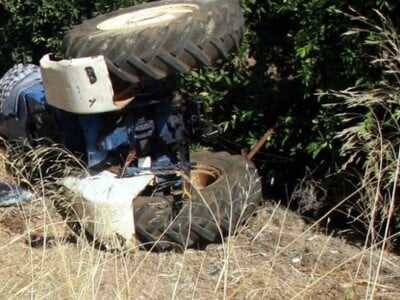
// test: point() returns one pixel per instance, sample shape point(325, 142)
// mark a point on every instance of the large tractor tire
point(226, 191)
point(157, 39)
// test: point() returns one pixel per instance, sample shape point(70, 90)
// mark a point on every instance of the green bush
point(291, 52)
point(29, 29)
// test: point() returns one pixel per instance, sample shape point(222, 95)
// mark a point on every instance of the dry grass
point(275, 256)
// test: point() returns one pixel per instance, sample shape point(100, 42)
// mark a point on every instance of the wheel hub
point(204, 175)
point(148, 17)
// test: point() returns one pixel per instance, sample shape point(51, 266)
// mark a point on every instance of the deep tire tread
point(203, 232)
point(173, 62)
point(198, 54)
point(137, 63)
point(219, 44)
point(158, 51)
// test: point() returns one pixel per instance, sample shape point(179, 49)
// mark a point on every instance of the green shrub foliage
point(30, 28)
point(291, 52)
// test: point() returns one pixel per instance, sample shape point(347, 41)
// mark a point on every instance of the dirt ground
point(275, 256)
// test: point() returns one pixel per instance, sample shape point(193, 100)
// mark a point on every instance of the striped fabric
point(17, 78)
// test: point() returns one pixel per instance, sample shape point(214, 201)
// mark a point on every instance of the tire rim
point(204, 175)
point(148, 16)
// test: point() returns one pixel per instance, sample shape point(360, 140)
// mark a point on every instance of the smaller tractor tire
point(226, 191)
point(154, 40)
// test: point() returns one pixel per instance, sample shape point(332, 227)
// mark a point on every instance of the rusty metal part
point(267, 135)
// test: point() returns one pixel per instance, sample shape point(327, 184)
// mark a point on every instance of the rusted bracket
point(267, 135)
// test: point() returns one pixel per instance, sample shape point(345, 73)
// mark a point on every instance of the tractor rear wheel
point(154, 40)
point(225, 192)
